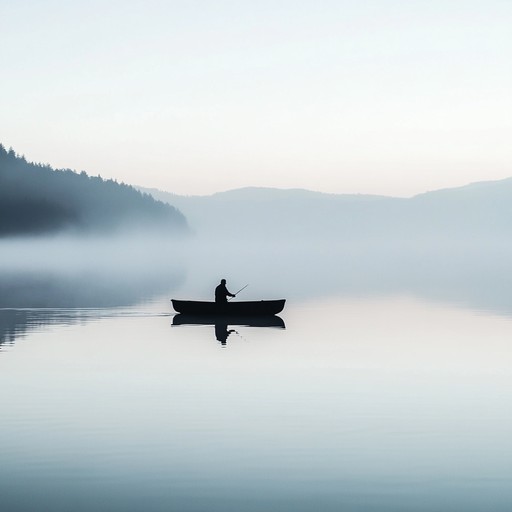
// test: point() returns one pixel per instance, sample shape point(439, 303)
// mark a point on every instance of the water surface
point(375, 402)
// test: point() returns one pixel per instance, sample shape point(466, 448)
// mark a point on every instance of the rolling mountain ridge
point(480, 209)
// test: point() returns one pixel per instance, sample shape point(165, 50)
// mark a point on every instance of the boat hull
point(247, 308)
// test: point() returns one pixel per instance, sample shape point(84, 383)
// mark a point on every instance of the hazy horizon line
point(321, 192)
point(257, 187)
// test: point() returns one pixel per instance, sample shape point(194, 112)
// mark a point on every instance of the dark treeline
point(37, 199)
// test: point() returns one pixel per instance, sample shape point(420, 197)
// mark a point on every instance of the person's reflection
point(222, 332)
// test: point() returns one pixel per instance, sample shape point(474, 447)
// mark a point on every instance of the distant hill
point(36, 199)
point(479, 209)
point(264, 212)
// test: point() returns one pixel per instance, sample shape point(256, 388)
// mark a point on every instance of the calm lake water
point(383, 402)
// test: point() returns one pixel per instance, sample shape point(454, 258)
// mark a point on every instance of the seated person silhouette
point(222, 293)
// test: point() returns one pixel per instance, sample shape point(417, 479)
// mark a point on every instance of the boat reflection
point(222, 322)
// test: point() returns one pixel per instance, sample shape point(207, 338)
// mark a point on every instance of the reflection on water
point(17, 323)
point(360, 405)
point(14, 323)
point(32, 299)
point(222, 322)
point(380, 394)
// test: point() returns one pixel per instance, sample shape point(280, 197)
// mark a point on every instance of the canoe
point(248, 308)
point(247, 320)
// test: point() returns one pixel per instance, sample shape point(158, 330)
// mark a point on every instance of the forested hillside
point(36, 199)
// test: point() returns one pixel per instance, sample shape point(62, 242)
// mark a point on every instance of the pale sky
point(391, 97)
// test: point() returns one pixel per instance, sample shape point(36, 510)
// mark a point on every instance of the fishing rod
point(239, 291)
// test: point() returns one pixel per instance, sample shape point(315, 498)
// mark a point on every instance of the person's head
point(222, 281)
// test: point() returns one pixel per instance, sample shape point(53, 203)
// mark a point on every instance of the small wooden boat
point(247, 308)
point(244, 320)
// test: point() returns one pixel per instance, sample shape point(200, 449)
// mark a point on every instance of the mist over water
point(65, 272)
point(68, 279)
point(387, 390)
point(457, 272)
point(86, 272)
